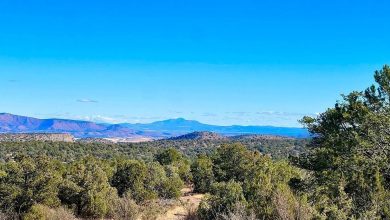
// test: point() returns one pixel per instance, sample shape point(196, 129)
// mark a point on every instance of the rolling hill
point(200, 135)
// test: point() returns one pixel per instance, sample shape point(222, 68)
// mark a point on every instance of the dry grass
point(4, 216)
point(46, 213)
point(125, 208)
point(191, 214)
point(155, 209)
point(239, 212)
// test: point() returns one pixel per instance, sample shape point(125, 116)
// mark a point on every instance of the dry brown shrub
point(45, 213)
point(153, 209)
point(125, 209)
point(191, 213)
point(239, 212)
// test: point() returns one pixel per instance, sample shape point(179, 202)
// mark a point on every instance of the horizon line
point(162, 120)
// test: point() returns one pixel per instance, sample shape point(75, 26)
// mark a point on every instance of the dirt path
point(188, 200)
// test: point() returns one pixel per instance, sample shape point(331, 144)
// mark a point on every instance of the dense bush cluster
point(239, 179)
point(88, 188)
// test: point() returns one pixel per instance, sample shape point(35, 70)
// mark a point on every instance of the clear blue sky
point(222, 62)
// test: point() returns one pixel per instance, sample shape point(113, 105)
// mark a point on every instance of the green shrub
point(202, 173)
point(86, 188)
point(27, 181)
point(169, 156)
point(224, 197)
point(172, 185)
point(130, 177)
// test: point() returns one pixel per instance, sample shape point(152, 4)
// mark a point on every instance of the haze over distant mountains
point(10, 123)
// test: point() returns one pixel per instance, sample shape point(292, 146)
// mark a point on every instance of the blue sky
point(220, 62)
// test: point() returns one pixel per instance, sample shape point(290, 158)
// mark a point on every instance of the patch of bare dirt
point(188, 200)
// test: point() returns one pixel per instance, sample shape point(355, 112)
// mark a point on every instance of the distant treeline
point(279, 148)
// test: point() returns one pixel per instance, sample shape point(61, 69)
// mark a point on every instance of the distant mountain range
point(10, 123)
